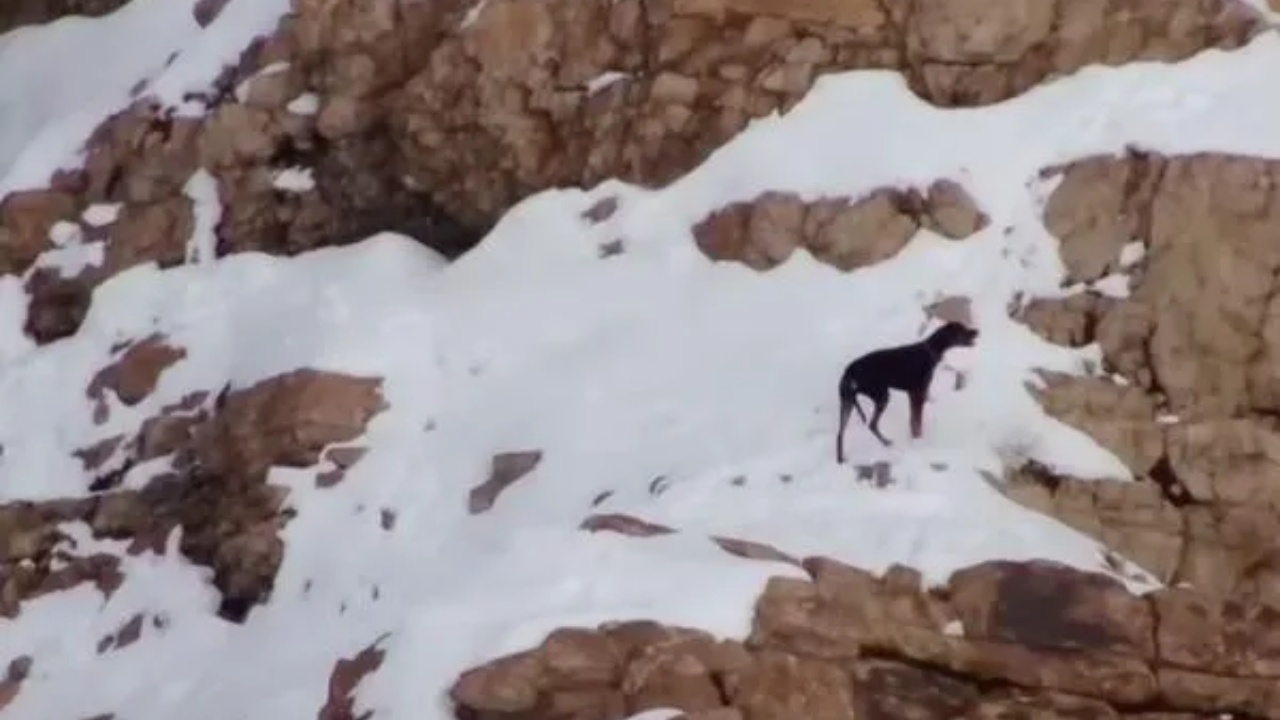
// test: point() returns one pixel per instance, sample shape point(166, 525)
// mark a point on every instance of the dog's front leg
point(917, 398)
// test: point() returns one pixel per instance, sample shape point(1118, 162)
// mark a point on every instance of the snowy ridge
point(50, 101)
point(652, 362)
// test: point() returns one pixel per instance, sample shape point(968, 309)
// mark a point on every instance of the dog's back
point(896, 367)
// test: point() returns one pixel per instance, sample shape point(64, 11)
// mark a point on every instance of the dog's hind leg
point(881, 400)
point(848, 401)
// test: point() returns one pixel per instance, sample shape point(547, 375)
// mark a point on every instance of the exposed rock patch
point(411, 120)
point(623, 524)
point(752, 550)
point(506, 469)
point(34, 560)
point(16, 13)
point(16, 672)
point(206, 11)
point(842, 232)
point(346, 675)
point(217, 492)
point(1001, 640)
point(133, 374)
point(57, 307)
point(523, 80)
point(1185, 398)
point(25, 220)
point(124, 636)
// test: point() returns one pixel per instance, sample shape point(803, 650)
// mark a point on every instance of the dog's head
point(954, 334)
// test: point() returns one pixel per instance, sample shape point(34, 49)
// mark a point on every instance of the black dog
point(905, 367)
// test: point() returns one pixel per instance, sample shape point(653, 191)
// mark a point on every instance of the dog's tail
point(848, 401)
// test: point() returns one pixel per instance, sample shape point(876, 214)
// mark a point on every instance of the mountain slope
point(656, 384)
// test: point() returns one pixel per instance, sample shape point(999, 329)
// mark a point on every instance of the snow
point(64, 233)
point(202, 188)
point(101, 214)
point(653, 362)
point(1115, 285)
point(604, 80)
point(1132, 253)
point(304, 104)
point(473, 14)
point(294, 180)
point(50, 104)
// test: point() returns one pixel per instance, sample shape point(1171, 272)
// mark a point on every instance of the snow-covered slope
point(58, 81)
point(620, 369)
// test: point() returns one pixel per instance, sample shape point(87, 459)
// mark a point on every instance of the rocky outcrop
point(845, 233)
point(221, 449)
point(645, 90)
point(1185, 398)
point(430, 119)
point(1000, 639)
point(17, 13)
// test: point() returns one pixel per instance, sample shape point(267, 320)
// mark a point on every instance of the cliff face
point(432, 118)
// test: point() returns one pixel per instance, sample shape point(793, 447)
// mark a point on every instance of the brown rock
point(156, 232)
point(165, 434)
point(206, 11)
point(1098, 208)
point(1120, 417)
point(764, 232)
point(600, 211)
point(507, 685)
point(17, 13)
point(507, 468)
point(387, 519)
point(290, 419)
point(1047, 606)
point(93, 456)
point(751, 550)
point(18, 670)
point(681, 671)
point(58, 305)
point(345, 456)
point(134, 374)
point(1023, 704)
point(623, 524)
point(238, 135)
point(971, 32)
point(157, 174)
point(580, 657)
point(891, 689)
point(1070, 321)
point(120, 515)
point(778, 686)
point(346, 675)
point(129, 633)
point(25, 220)
point(951, 211)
